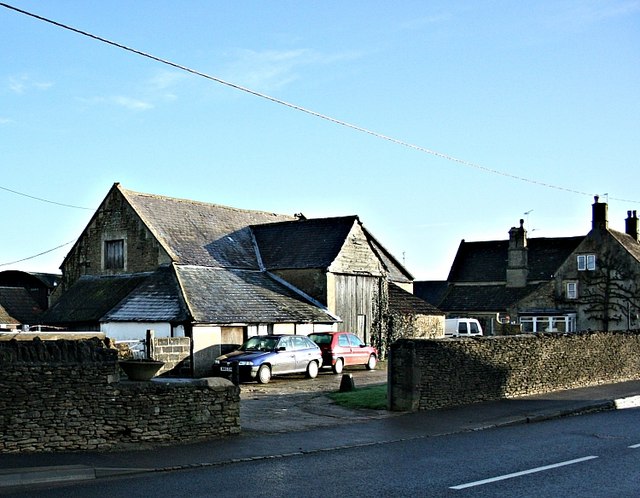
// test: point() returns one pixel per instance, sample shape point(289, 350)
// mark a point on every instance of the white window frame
point(586, 262)
point(571, 290)
point(539, 324)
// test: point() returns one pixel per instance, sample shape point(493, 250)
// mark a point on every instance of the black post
point(235, 373)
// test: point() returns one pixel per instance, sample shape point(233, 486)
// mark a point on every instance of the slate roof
point(302, 243)
point(6, 318)
point(404, 302)
point(17, 306)
point(486, 298)
point(198, 233)
point(18, 278)
point(242, 296)
point(90, 298)
point(487, 261)
point(629, 243)
point(397, 272)
point(431, 291)
point(157, 298)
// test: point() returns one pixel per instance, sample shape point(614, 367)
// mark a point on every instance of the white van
point(462, 327)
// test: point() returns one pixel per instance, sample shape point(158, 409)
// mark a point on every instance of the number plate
point(225, 369)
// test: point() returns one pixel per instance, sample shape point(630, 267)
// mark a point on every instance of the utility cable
point(44, 200)
point(37, 255)
point(303, 109)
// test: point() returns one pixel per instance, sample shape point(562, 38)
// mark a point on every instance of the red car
point(340, 349)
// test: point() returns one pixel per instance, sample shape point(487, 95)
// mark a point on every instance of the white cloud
point(22, 83)
point(269, 70)
point(165, 79)
point(4, 121)
point(131, 103)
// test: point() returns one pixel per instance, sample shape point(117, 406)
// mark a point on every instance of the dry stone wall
point(428, 374)
point(67, 396)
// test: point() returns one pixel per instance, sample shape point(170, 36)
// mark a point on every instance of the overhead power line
point(44, 200)
point(37, 255)
point(302, 109)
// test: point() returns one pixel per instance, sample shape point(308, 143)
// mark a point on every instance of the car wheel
point(264, 374)
point(337, 368)
point(312, 369)
point(371, 364)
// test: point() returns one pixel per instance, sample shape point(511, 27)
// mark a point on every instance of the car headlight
point(245, 363)
point(216, 362)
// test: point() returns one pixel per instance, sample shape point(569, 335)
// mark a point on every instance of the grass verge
point(372, 398)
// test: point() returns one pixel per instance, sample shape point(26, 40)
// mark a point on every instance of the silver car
point(263, 356)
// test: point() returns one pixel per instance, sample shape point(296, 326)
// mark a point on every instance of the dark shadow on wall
point(430, 374)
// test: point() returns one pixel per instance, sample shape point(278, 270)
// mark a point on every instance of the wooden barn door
point(355, 303)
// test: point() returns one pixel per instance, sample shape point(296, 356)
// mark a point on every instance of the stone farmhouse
point(218, 274)
point(562, 284)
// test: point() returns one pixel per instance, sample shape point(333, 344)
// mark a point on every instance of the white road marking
point(634, 446)
point(630, 402)
point(522, 473)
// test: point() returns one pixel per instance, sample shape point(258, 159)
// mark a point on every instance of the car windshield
point(320, 338)
point(260, 344)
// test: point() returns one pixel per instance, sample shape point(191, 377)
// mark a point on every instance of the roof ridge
point(129, 193)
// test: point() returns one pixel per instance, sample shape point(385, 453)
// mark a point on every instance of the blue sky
point(531, 107)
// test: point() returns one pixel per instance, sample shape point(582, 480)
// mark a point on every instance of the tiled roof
point(487, 261)
point(302, 243)
point(17, 306)
point(489, 298)
point(197, 233)
point(242, 296)
point(404, 302)
point(156, 298)
point(90, 298)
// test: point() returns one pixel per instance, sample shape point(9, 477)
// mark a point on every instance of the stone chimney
point(631, 225)
point(599, 215)
point(518, 259)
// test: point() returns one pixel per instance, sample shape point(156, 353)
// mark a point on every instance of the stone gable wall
point(114, 220)
point(67, 396)
point(429, 374)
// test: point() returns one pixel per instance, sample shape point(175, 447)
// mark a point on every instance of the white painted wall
point(123, 331)
point(206, 342)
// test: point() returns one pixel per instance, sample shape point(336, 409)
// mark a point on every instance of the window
point(571, 290)
point(114, 254)
point(536, 324)
point(354, 341)
point(343, 341)
point(586, 262)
